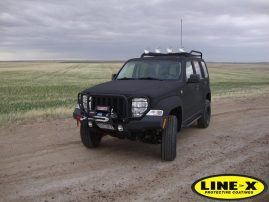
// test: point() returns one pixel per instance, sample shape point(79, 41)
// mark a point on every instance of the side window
point(189, 70)
point(197, 68)
point(204, 69)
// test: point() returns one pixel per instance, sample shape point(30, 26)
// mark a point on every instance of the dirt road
point(47, 162)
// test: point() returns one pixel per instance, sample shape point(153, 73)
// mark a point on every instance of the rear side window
point(197, 68)
point(204, 69)
point(189, 70)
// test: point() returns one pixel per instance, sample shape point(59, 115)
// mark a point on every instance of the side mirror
point(113, 76)
point(194, 78)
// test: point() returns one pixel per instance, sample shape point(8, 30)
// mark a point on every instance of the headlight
point(139, 106)
point(84, 102)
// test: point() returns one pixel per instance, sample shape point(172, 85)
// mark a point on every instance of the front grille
point(117, 103)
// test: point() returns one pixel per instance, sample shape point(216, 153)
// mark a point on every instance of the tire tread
point(87, 137)
point(202, 122)
point(168, 146)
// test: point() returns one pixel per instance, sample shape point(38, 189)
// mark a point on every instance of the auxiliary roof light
point(169, 50)
point(157, 50)
point(146, 51)
point(181, 50)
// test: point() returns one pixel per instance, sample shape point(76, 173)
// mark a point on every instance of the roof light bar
point(182, 53)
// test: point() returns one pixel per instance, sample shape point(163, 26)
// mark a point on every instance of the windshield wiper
point(149, 78)
point(126, 78)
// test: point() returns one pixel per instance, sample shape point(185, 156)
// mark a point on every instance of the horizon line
point(117, 61)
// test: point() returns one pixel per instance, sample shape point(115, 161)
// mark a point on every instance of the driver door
point(191, 95)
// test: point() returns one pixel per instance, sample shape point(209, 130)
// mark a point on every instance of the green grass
point(233, 80)
point(40, 90)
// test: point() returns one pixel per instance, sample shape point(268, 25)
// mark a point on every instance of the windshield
point(150, 70)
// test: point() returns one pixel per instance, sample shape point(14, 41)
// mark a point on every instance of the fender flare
point(168, 104)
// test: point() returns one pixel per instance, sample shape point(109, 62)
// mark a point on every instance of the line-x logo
point(229, 187)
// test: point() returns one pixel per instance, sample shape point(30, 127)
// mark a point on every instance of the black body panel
point(171, 96)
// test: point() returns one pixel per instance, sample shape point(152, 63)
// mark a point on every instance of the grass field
point(41, 90)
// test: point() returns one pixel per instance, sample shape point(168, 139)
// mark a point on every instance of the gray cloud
point(225, 30)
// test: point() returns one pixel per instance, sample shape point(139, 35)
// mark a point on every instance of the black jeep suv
point(150, 99)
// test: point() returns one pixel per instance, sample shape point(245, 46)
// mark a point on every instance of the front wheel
point(169, 139)
point(204, 121)
point(89, 138)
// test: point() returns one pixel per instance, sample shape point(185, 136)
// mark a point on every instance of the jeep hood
point(151, 88)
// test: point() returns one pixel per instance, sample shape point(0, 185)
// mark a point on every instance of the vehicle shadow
point(137, 149)
point(123, 147)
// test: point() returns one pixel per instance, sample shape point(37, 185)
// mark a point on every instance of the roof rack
point(196, 53)
point(193, 53)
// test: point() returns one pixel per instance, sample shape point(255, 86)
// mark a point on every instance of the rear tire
point(89, 138)
point(204, 121)
point(169, 139)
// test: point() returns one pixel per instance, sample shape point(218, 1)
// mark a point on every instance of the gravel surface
point(46, 161)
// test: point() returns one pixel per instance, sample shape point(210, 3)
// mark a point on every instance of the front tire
point(89, 138)
point(169, 139)
point(204, 121)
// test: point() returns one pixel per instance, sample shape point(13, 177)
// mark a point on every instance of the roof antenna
point(181, 33)
point(181, 49)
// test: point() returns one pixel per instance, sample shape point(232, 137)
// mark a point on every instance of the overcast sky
point(225, 30)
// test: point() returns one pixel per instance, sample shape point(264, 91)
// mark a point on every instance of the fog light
point(120, 128)
point(90, 124)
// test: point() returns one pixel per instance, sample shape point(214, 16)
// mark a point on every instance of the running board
point(188, 124)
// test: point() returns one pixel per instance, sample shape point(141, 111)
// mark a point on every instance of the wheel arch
point(208, 96)
point(172, 106)
point(177, 111)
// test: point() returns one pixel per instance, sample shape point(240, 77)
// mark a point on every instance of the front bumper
point(146, 123)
